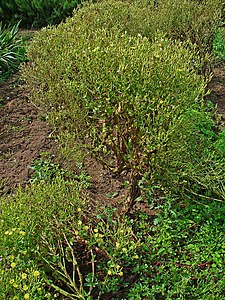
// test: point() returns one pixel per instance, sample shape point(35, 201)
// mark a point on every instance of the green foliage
point(36, 13)
point(45, 170)
point(49, 247)
point(137, 99)
point(219, 44)
point(196, 21)
point(108, 78)
point(186, 254)
point(12, 51)
point(25, 218)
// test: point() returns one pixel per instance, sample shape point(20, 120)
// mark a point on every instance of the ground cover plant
point(12, 51)
point(36, 13)
point(50, 248)
point(135, 98)
point(219, 44)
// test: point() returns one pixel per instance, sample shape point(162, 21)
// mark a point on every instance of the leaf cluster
point(12, 50)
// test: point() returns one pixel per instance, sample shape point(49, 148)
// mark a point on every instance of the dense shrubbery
point(138, 99)
point(180, 20)
point(36, 13)
point(12, 51)
point(124, 79)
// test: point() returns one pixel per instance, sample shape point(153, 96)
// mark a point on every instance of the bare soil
point(217, 87)
point(24, 134)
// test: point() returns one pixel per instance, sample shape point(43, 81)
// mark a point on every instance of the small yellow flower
point(117, 245)
point(25, 288)
point(15, 298)
point(13, 265)
point(124, 250)
point(15, 285)
point(6, 233)
point(12, 281)
point(23, 275)
point(22, 232)
point(39, 289)
point(95, 230)
point(14, 229)
point(10, 233)
point(79, 222)
point(26, 296)
point(76, 232)
point(121, 273)
point(36, 273)
point(136, 256)
point(109, 272)
point(79, 209)
point(117, 266)
point(86, 227)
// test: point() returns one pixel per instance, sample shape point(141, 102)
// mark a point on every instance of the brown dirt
point(24, 135)
point(217, 87)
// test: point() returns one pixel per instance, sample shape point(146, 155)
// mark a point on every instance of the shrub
point(12, 51)
point(194, 20)
point(136, 99)
point(36, 13)
point(179, 20)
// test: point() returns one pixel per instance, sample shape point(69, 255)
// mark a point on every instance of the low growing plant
point(25, 218)
point(219, 44)
point(52, 246)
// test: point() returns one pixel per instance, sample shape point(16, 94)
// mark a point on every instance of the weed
point(45, 170)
